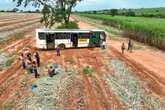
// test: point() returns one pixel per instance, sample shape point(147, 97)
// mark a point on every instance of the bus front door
point(50, 41)
point(74, 40)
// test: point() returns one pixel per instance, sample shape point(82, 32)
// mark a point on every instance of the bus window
point(84, 35)
point(62, 36)
point(42, 36)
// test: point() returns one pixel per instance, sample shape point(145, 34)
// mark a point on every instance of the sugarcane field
point(82, 55)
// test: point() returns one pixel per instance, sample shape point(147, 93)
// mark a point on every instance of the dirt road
point(148, 63)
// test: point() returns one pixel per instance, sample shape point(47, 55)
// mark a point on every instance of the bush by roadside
point(70, 25)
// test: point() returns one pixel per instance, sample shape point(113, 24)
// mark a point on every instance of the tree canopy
point(53, 10)
point(114, 12)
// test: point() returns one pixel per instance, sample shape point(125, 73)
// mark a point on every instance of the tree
point(94, 12)
point(114, 12)
point(130, 12)
point(53, 10)
point(49, 16)
point(15, 10)
point(37, 11)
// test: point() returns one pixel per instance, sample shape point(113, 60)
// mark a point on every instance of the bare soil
point(85, 92)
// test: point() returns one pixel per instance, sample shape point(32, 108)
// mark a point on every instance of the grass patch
point(9, 106)
point(70, 25)
point(10, 61)
point(130, 90)
point(87, 70)
point(9, 40)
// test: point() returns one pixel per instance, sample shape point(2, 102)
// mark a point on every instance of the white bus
point(51, 39)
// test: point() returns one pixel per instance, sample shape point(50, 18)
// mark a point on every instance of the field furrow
point(17, 21)
point(18, 25)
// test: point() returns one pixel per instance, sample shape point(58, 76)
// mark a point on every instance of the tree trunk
point(68, 14)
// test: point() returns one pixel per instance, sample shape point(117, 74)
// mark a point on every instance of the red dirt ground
point(97, 95)
point(147, 63)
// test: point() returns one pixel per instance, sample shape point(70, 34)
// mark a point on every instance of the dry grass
point(134, 94)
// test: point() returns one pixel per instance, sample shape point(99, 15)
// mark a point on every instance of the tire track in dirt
point(11, 37)
point(14, 47)
point(17, 21)
point(9, 17)
point(19, 25)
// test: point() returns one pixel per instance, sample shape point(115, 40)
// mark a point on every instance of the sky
point(98, 4)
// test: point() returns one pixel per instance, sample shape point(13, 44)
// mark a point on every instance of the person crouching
point(51, 71)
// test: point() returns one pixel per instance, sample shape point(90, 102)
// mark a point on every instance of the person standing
point(58, 51)
point(22, 58)
point(103, 45)
point(29, 56)
point(130, 45)
point(35, 69)
point(123, 48)
point(102, 40)
point(37, 57)
point(29, 66)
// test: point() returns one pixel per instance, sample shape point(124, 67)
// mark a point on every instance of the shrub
point(9, 62)
point(87, 70)
point(70, 25)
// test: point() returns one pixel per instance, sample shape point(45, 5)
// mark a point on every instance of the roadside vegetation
point(70, 25)
point(141, 12)
point(146, 30)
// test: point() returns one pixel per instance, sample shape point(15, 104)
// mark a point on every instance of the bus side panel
point(66, 42)
point(83, 42)
point(83, 39)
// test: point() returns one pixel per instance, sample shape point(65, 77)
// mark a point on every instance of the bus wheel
point(94, 45)
point(62, 46)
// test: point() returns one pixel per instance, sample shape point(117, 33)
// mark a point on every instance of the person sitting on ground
point(51, 71)
point(130, 45)
point(58, 51)
point(22, 58)
point(37, 58)
point(35, 69)
point(123, 48)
